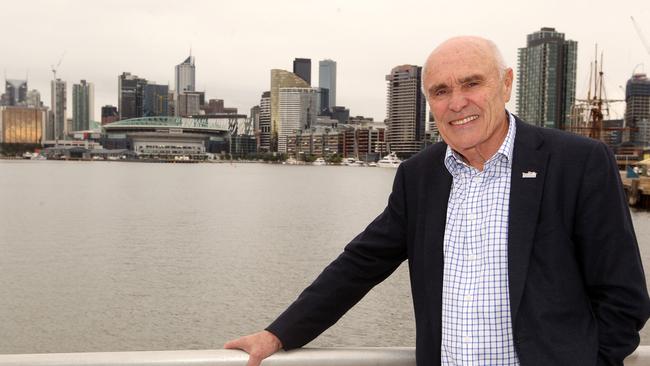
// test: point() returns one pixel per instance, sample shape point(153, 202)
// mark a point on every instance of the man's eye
point(440, 92)
point(472, 84)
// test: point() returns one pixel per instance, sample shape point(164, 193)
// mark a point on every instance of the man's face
point(467, 97)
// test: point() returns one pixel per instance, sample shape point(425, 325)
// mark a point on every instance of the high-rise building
point(109, 114)
point(171, 102)
point(34, 99)
point(255, 124)
point(327, 84)
point(56, 128)
point(130, 96)
point(214, 106)
point(341, 114)
point(298, 110)
point(189, 103)
point(302, 68)
point(186, 76)
point(22, 124)
point(406, 110)
point(265, 122)
point(281, 79)
point(156, 100)
point(83, 105)
point(637, 108)
point(546, 86)
point(15, 92)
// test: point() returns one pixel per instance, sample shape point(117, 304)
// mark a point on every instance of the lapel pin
point(529, 174)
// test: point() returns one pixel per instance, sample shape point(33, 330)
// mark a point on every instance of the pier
point(637, 190)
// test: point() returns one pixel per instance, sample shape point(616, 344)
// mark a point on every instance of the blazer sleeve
point(367, 260)
point(610, 259)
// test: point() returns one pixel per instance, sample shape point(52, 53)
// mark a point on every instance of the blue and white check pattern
point(476, 324)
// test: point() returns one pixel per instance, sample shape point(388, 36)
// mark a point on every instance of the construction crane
point(54, 68)
point(641, 37)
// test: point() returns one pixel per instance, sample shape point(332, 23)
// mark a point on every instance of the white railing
point(383, 356)
point(307, 356)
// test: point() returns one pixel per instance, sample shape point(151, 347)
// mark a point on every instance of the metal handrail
point(383, 356)
point(380, 356)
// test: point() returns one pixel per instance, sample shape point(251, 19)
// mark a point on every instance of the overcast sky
point(237, 43)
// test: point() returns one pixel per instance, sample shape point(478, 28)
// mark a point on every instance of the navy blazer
point(577, 289)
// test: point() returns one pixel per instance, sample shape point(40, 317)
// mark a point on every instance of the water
point(112, 256)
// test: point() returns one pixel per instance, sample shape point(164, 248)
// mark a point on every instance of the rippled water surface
point(112, 256)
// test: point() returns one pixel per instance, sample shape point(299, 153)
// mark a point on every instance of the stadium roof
point(178, 122)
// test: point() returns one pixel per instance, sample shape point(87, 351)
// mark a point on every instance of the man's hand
point(259, 346)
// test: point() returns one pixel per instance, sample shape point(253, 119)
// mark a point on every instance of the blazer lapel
point(526, 187)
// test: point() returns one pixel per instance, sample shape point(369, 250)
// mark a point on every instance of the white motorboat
point(291, 161)
point(319, 161)
point(389, 161)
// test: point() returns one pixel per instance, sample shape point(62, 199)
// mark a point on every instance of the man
point(519, 241)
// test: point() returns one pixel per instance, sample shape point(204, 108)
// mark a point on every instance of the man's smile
point(467, 119)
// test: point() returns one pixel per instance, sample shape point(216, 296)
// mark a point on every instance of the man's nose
point(457, 102)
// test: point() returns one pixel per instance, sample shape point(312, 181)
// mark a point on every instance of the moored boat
point(389, 161)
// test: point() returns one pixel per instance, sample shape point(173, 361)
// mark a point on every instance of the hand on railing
point(259, 346)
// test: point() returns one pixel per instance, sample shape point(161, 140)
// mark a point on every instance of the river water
point(115, 256)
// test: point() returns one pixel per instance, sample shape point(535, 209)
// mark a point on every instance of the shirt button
point(468, 298)
point(467, 339)
point(472, 257)
point(471, 216)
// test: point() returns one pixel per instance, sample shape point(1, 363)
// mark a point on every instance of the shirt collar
point(453, 159)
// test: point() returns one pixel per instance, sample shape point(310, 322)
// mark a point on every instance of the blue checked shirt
point(476, 325)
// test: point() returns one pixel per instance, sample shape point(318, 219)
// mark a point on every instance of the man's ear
point(507, 84)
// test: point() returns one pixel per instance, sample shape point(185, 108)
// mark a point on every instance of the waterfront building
point(155, 100)
point(15, 92)
point(22, 124)
point(265, 122)
point(406, 111)
point(298, 109)
point(318, 142)
point(637, 108)
point(165, 137)
point(327, 84)
point(34, 99)
point(546, 79)
point(130, 95)
point(56, 124)
point(363, 143)
point(281, 79)
point(109, 114)
point(83, 105)
point(326, 122)
point(302, 68)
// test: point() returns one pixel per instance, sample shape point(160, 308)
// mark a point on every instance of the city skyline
point(234, 59)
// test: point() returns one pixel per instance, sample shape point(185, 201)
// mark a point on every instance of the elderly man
point(519, 241)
